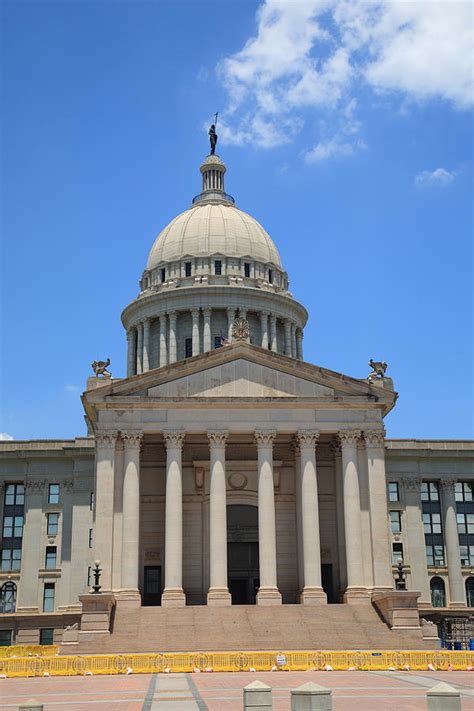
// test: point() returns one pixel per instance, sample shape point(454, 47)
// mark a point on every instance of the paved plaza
point(352, 691)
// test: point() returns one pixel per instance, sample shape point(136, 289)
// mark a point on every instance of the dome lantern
point(212, 171)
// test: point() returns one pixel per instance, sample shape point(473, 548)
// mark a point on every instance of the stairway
point(285, 627)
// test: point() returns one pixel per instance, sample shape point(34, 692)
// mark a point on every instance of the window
point(187, 268)
point(50, 559)
point(438, 592)
point(90, 537)
point(5, 638)
point(432, 522)
point(218, 267)
point(470, 592)
point(397, 552)
point(465, 522)
point(247, 269)
point(163, 275)
point(47, 635)
point(270, 276)
point(53, 494)
point(48, 597)
point(429, 491)
point(91, 502)
point(14, 495)
point(11, 559)
point(13, 526)
point(464, 491)
point(396, 521)
point(188, 347)
point(467, 555)
point(8, 597)
point(434, 555)
point(393, 493)
point(53, 520)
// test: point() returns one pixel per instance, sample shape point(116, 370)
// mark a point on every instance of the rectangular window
point(11, 559)
point(434, 555)
point(5, 638)
point(53, 520)
point(465, 522)
point(53, 494)
point(393, 493)
point(188, 347)
point(163, 275)
point(14, 495)
point(270, 276)
point(51, 555)
point(432, 522)
point(48, 597)
point(91, 502)
point(429, 491)
point(397, 552)
point(247, 269)
point(47, 635)
point(187, 268)
point(218, 267)
point(396, 521)
point(90, 537)
point(464, 490)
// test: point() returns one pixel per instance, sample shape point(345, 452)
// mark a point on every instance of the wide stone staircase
point(285, 627)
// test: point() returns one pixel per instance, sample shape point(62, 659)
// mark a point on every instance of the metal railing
point(210, 195)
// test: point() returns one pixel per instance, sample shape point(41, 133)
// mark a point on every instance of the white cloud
point(439, 177)
point(5, 437)
point(69, 388)
point(307, 59)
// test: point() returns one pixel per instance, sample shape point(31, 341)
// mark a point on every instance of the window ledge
point(49, 573)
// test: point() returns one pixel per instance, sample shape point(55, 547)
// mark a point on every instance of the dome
point(213, 228)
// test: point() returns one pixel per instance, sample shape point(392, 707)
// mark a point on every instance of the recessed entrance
point(242, 554)
point(152, 585)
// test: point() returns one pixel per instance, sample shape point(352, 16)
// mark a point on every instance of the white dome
point(210, 229)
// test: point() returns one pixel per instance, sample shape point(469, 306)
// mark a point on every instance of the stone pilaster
point(218, 593)
point(341, 538)
point(273, 333)
point(172, 352)
point(163, 341)
point(264, 328)
point(299, 343)
point(173, 594)
point(268, 593)
point(104, 503)
point(195, 314)
point(131, 510)
point(457, 592)
point(293, 339)
point(415, 555)
point(28, 594)
point(146, 346)
point(287, 327)
point(139, 348)
point(207, 330)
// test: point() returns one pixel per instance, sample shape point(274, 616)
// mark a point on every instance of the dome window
point(187, 269)
point(163, 275)
point(218, 267)
point(270, 276)
point(247, 269)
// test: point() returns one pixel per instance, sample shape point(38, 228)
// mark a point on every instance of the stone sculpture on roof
point(378, 370)
point(213, 138)
point(100, 368)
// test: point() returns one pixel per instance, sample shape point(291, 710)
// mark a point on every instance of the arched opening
point(8, 597)
point(438, 592)
point(470, 592)
point(242, 553)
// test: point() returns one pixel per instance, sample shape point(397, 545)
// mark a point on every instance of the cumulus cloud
point(5, 437)
point(439, 177)
point(312, 55)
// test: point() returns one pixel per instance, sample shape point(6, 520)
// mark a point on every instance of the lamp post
point(96, 572)
point(400, 581)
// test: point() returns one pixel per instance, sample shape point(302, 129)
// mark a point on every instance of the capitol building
point(227, 481)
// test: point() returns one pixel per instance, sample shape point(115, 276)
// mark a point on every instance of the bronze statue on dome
point(213, 138)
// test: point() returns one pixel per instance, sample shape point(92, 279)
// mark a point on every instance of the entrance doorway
point(242, 554)
point(327, 582)
point(152, 585)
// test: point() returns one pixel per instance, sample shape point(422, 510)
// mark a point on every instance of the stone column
point(132, 351)
point(207, 330)
point(163, 347)
point(218, 592)
point(139, 348)
point(104, 504)
point(264, 328)
point(457, 593)
point(293, 340)
point(172, 354)
point(173, 594)
point(313, 593)
point(341, 538)
point(268, 593)
point(131, 510)
point(195, 313)
point(381, 553)
point(230, 321)
point(415, 555)
point(273, 333)
point(356, 589)
point(299, 343)
point(146, 346)
point(299, 514)
point(287, 326)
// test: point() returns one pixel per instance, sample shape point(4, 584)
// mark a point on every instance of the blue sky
point(347, 131)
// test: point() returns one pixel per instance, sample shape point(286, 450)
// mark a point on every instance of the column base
point(173, 597)
point(269, 596)
point(129, 598)
point(219, 597)
point(313, 596)
point(357, 596)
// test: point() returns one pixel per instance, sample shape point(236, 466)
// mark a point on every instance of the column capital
point(106, 439)
point(172, 315)
point(264, 438)
point(146, 321)
point(448, 485)
point(162, 317)
point(130, 332)
point(174, 440)
point(264, 314)
point(349, 438)
point(336, 447)
point(207, 312)
point(374, 438)
point(231, 309)
point(307, 439)
point(295, 446)
point(132, 440)
point(411, 483)
point(217, 438)
point(195, 313)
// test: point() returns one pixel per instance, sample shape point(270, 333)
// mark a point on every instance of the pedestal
point(96, 613)
point(398, 608)
point(357, 596)
point(173, 597)
point(268, 596)
point(313, 596)
point(219, 597)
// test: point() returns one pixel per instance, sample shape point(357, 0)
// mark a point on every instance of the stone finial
point(100, 368)
point(240, 330)
point(378, 370)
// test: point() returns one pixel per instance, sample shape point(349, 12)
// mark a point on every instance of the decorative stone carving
point(374, 438)
point(295, 446)
point(36, 484)
point(237, 480)
point(174, 440)
point(199, 478)
point(67, 483)
point(100, 368)
point(264, 438)
point(448, 485)
point(106, 439)
point(336, 448)
point(349, 438)
point(132, 440)
point(307, 438)
point(240, 330)
point(217, 438)
point(411, 483)
point(378, 370)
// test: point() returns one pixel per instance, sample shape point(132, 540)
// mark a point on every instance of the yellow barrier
point(441, 660)
point(27, 650)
